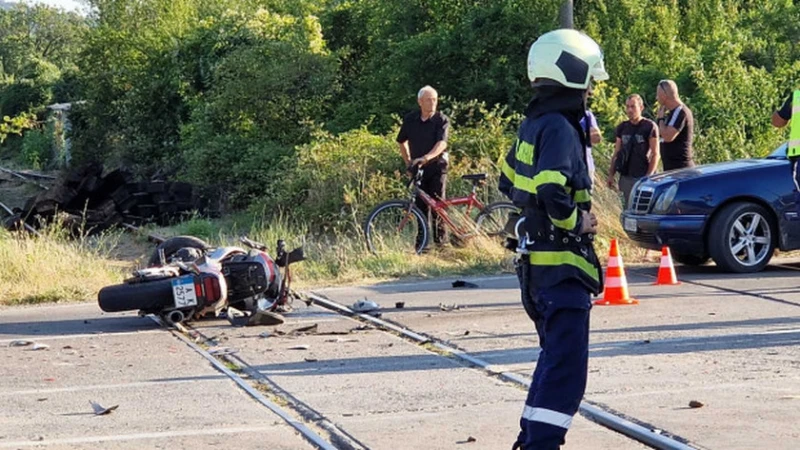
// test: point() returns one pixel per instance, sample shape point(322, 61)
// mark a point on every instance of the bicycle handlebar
point(416, 177)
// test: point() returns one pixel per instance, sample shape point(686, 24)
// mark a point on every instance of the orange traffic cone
point(666, 271)
point(616, 292)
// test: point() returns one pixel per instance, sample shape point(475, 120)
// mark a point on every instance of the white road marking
point(95, 387)
point(35, 337)
point(133, 437)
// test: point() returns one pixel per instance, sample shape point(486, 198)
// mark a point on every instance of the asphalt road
point(729, 342)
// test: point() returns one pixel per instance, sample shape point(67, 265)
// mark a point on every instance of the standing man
point(676, 128)
point(782, 117)
point(545, 175)
point(423, 144)
point(636, 148)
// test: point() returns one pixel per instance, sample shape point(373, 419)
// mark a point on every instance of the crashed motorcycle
point(187, 279)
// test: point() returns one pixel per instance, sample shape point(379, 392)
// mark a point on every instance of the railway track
point(323, 433)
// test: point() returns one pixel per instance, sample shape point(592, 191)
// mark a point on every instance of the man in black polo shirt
point(423, 142)
point(676, 128)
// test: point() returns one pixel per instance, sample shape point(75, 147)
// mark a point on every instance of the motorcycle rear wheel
point(149, 297)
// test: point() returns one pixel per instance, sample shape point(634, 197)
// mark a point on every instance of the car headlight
point(665, 199)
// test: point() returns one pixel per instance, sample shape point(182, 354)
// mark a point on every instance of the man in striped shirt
point(675, 126)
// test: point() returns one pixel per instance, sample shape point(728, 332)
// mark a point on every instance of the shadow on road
point(66, 327)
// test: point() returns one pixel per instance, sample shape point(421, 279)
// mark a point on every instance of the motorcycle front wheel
point(174, 244)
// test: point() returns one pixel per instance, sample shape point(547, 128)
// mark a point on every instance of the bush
point(37, 146)
point(338, 179)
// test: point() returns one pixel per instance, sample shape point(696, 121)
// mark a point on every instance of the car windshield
point(779, 153)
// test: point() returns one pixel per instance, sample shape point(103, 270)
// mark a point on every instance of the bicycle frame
point(440, 207)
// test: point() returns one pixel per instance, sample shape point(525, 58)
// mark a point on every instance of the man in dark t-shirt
point(423, 143)
point(636, 148)
point(675, 126)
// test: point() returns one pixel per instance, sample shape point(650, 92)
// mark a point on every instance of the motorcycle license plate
point(183, 292)
point(630, 225)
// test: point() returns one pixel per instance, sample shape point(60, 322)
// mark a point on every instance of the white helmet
point(568, 57)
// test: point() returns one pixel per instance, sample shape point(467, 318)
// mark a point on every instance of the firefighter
point(545, 175)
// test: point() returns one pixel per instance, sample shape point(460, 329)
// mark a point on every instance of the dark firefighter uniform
point(545, 174)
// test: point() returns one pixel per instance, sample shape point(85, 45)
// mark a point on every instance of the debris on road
point(464, 284)
point(311, 359)
point(365, 306)
point(340, 340)
point(20, 343)
point(300, 347)
point(223, 351)
point(100, 410)
point(400, 305)
point(302, 331)
point(469, 440)
point(695, 404)
point(37, 347)
point(265, 318)
point(453, 307)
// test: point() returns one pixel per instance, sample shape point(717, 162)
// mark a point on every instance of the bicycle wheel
point(396, 226)
point(492, 220)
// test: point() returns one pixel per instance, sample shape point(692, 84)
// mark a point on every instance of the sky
point(69, 5)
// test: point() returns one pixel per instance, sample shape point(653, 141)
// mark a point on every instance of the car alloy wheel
point(750, 238)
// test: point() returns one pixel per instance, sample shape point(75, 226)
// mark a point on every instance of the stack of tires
point(87, 199)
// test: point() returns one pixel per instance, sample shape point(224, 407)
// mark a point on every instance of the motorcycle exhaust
point(175, 316)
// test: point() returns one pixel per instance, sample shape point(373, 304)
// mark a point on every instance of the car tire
point(690, 259)
point(743, 238)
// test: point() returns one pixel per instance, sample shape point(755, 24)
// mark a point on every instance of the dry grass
point(339, 258)
point(54, 268)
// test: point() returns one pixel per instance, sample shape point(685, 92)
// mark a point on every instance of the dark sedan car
point(735, 213)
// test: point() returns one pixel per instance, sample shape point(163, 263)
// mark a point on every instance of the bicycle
point(400, 225)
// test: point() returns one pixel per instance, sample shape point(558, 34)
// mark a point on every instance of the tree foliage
point(265, 100)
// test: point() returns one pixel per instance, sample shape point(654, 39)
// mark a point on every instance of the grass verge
point(56, 268)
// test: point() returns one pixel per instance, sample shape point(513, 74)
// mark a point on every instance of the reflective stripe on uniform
point(547, 416)
point(507, 170)
point(557, 258)
point(794, 132)
point(524, 183)
point(550, 176)
point(530, 185)
point(583, 196)
point(525, 152)
point(569, 223)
